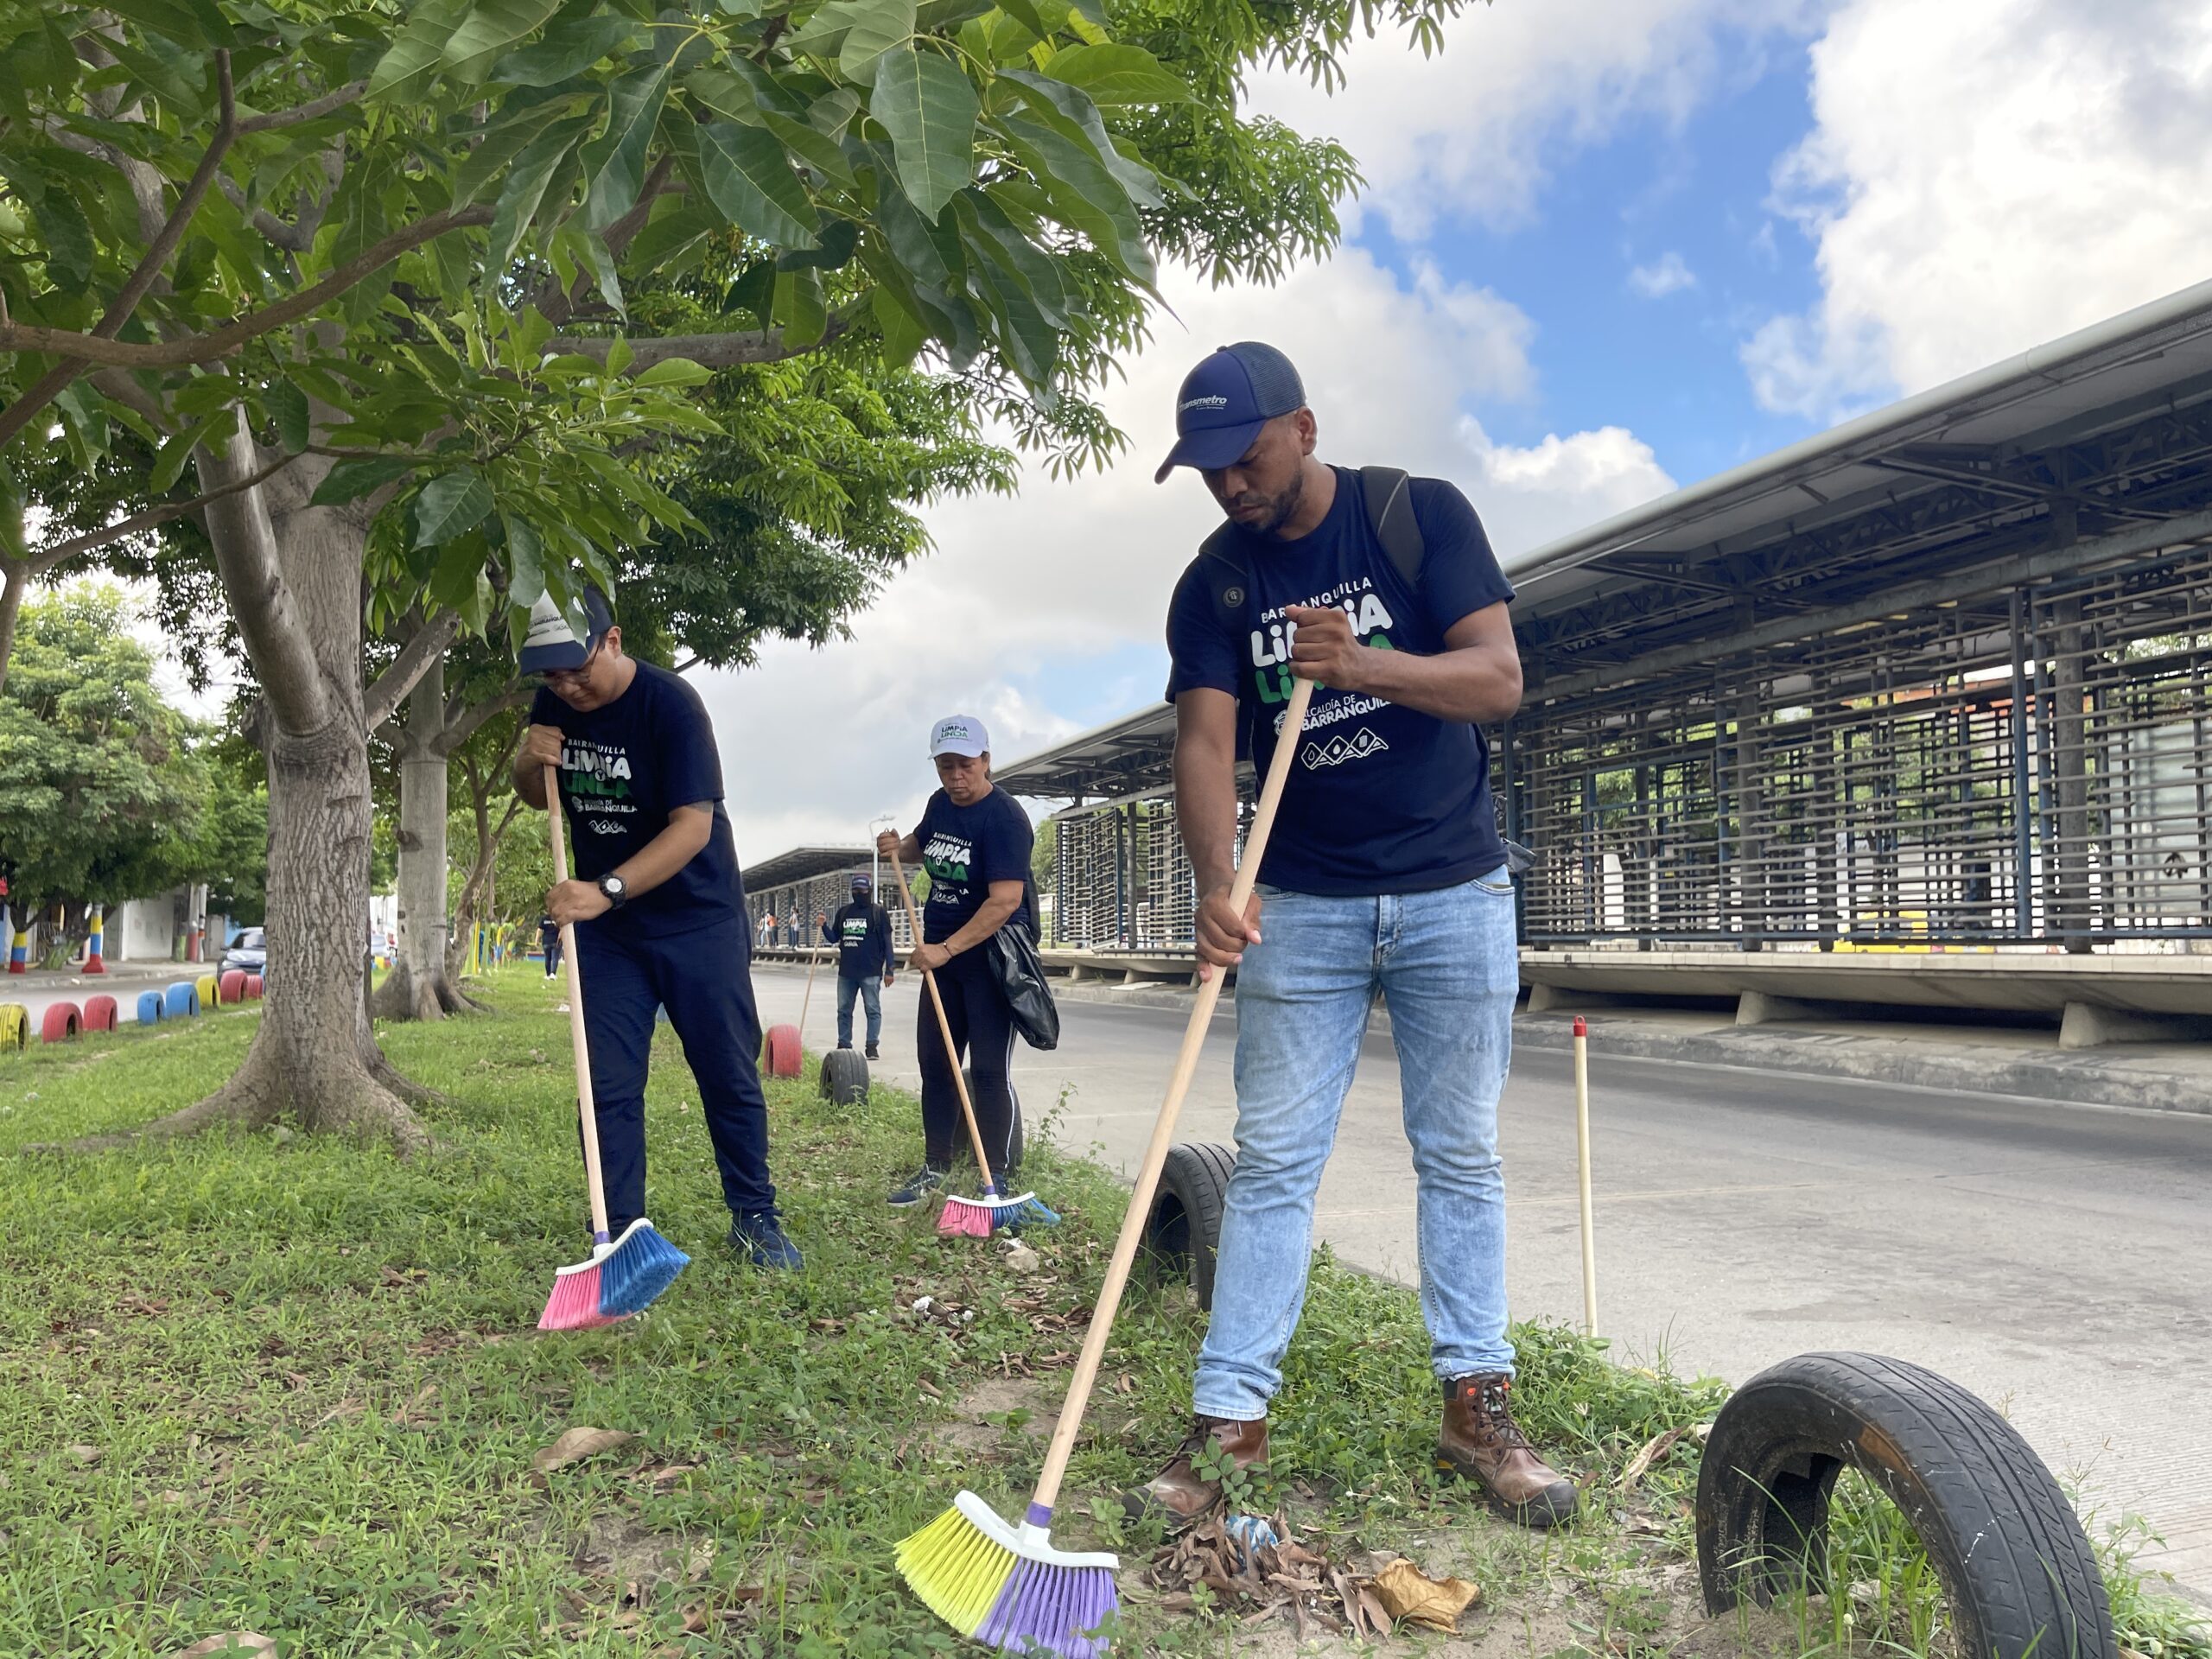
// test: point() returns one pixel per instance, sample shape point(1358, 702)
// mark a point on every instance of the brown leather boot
point(1482, 1443)
point(1179, 1491)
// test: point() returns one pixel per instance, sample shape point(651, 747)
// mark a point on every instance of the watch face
point(611, 886)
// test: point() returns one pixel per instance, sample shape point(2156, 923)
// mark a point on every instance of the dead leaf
point(577, 1444)
point(1652, 1449)
point(1023, 1260)
point(1408, 1593)
point(86, 1454)
point(929, 1388)
point(231, 1641)
point(702, 1562)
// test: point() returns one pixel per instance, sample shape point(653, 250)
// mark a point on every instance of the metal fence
point(2027, 765)
point(1122, 879)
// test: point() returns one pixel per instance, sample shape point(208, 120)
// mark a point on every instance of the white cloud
point(1668, 274)
point(1473, 132)
point(1982, 176)
point(1025, 597)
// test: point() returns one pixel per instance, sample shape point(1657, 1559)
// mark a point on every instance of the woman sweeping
point(974, 842)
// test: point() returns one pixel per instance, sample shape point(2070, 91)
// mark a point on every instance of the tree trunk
point(420, 985)
point(293, 575)
point(14, 577)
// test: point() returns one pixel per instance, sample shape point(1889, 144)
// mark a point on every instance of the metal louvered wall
point(2028, 765)
point(1124, 881)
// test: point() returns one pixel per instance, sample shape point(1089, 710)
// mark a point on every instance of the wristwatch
point(616, 890)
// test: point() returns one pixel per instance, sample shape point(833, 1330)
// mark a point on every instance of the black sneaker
point(844, 1044)
point(872, 1054)
point(916, 1187)
point(760, 1238)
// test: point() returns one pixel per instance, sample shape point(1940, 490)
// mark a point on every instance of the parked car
point(249, 951)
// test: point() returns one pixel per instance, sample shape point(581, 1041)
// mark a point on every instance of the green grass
point(290, 1385)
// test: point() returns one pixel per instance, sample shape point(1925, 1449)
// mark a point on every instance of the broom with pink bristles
point(1005, 1585)
point(622, 1275)
point(971, 1217)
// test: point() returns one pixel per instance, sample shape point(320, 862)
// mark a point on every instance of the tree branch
point(277, 641)
point(383, 699)
point(726, 351)
point(459, 730)
point(56, 380)
point(45, 558)
point(221, 342)
point(286, 237)
point(313, 110)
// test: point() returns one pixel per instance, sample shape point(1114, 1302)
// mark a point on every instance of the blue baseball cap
point(553, 643)
point(1225, 401)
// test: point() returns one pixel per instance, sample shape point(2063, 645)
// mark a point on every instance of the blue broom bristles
point(1028, 1211)
point(637, 1270)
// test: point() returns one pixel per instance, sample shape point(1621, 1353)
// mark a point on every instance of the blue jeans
point(1446, 963)
point(869, 989)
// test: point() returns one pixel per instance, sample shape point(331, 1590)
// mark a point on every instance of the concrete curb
point(2089, 1078)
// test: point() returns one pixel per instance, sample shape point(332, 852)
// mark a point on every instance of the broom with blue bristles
point(622, 1275)
point(1006, 1585)
point(971, 1217)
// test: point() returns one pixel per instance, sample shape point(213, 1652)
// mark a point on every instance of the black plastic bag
point(1020, 972)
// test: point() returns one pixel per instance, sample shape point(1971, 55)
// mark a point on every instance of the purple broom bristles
point(1050, 1609)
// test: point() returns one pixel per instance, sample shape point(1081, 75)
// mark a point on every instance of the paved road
point(2056, 1260)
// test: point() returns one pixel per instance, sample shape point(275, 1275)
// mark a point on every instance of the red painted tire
point(99, 1013)
point(62, 1022)
point(783, 1051)
point(253, 987)
point(234, 987)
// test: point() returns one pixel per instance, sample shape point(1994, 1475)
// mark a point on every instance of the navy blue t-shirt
point(1381, 798)
point(965, 848)
point(623, 768)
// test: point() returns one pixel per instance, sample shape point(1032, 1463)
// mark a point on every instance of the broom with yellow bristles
point(1006, 1585)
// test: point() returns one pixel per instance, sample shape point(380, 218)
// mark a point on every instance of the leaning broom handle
point(1582, 1160)
point(944, 1030)
point(586, 1110)
point(1163, 1131)
point(813, 944)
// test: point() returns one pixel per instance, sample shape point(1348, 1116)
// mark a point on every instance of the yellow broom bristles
point(956, 1570)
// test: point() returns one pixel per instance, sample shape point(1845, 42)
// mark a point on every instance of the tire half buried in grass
point(2016, 1570)
point(844, 1075)
point(1183, 1229)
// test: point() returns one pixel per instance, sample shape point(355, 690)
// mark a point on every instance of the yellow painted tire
point(15, 1026)
point(211, 991)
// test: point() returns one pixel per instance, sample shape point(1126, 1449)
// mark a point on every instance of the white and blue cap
point(959, 734)
point(1225, 401)
point(553, 642)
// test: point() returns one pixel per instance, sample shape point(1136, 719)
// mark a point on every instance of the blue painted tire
point(150, 1007)
point(181, 1001)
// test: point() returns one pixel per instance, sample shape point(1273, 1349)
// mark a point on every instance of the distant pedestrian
point(861, 933)
point(549, 936)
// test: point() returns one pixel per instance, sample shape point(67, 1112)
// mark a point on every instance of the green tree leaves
point(929, 109)
point(749, 177)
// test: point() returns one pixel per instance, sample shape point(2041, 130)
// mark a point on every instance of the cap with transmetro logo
point(1225, 401)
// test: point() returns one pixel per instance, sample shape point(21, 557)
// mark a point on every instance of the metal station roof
point(2105, 433)
point(803, 864)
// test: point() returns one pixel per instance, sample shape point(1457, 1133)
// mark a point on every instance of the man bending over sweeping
point(1386, 873)
point(659, 910)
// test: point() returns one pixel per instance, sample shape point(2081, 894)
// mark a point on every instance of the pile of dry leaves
point(1362, 1596)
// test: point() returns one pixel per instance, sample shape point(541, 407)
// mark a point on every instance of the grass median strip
point(289, 1385)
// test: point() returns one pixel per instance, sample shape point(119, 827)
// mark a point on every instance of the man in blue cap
point(861, 933)
point(1385, 874)
point(658, 908)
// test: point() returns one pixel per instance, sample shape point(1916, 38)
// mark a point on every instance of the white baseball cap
point(959, 734)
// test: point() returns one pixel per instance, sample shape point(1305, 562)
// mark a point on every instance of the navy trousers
point(703, 979)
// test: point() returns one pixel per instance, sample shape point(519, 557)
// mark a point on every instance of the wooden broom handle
point(586, 1110)
point(1163, 1131)
point(944, 1030)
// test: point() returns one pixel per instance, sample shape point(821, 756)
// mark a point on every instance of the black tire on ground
point(2019, 1574)
point(1016, 1138)
point(844, 1075)
point(1183, 1229)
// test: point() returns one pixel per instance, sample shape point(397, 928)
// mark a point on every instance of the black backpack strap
point(1224, 576)
point(1390, 512)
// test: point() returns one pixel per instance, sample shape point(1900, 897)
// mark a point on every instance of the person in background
point(861, 933)
point(548, 939)
point(974, 842)
point(657, 904)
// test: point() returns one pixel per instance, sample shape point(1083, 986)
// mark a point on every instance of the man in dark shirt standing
point(549, 940)
point(1385, 874)
point(658, 909)
point(861, 933)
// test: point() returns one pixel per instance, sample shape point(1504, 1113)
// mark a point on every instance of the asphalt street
point(2056, 1260)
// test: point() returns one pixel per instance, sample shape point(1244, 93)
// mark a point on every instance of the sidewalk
point(2025, 1064)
